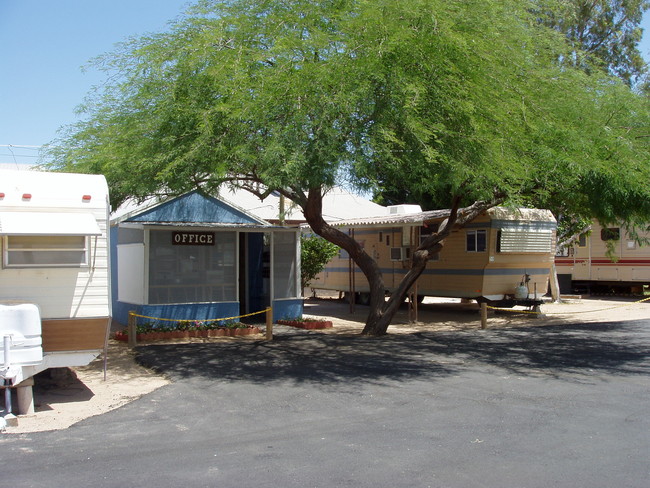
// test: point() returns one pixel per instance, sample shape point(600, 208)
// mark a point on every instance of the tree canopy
point(604, 34)
point(462, 101)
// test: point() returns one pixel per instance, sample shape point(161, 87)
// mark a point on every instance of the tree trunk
point(555, 284)
point(314, 216)
point(379, 325)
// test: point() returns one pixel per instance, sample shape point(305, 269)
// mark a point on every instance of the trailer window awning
point(48, 223)
point(525, 239)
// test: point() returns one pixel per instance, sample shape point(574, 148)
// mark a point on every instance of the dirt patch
point(73, 394)
point(452, 314)
point(64, 400)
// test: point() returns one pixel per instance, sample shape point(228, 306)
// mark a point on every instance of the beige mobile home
point(606, 260)
point(502, 255)
point(54, 250)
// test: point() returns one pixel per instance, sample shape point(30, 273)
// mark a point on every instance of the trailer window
point(476, 241)
point(426, 231)
point(45, 251)
point(612, 234)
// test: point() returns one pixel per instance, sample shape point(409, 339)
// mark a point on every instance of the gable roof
point(191, 209)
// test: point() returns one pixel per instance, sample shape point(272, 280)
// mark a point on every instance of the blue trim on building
point(287, 309)
point(121, 311)
point(180, 311)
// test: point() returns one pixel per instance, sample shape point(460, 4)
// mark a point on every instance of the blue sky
point(44, 44)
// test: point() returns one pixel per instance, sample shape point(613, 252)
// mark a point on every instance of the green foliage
point(443, 98)
point(315, 253)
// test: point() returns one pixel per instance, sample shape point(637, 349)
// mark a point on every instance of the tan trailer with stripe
point(502, 255)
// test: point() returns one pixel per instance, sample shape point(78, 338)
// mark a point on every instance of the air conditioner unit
point(400, 253)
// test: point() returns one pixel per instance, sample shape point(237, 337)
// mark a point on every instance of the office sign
point(182, 238)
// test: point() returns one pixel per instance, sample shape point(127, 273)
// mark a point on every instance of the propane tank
point(521, 291)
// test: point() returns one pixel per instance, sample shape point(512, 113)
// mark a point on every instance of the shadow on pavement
point(621, 348)
point(310, 356)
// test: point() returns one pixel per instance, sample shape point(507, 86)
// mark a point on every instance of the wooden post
point(269, 324)
point(483, 315)
point(131, 329)
point(416, 302)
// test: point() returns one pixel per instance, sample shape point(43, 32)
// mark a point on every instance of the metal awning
point(48, 224)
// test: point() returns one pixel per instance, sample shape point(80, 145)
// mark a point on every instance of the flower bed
point(151, 333)
point(306, 323)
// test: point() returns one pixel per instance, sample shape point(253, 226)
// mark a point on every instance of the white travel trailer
point(605, 260)
point(54, 246)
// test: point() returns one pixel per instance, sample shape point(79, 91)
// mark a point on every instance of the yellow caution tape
point(571, 313)
point(133, 314)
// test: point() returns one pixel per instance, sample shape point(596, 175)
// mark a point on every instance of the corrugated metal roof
point(395, 219)
point(497, 213)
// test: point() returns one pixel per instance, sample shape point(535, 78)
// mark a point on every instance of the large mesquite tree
point(465, 101)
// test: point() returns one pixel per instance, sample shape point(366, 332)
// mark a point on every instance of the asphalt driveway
point(519, 407)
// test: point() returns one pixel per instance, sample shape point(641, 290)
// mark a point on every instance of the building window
point(45, 251)
point(476, 240)
point(582, 240)
point(611, 234)
point(192, 273)
point(284, 265)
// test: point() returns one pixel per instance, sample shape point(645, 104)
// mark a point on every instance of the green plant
point(315, 253)
point(184, 325)
point(302, 319)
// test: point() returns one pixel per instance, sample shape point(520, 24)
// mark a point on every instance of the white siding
point(60, 292)
point(130, 284)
